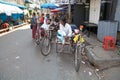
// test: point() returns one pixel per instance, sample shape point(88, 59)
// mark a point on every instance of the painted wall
point(94, 11)
point(117, 14)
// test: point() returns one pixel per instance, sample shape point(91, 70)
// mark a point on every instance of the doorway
point(79, 15)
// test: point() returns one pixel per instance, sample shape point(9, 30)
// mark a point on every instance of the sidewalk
point(100, 57)
point(13, 27)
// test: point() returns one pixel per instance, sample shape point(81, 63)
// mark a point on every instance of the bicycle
point(80, 45)
point(46, 42)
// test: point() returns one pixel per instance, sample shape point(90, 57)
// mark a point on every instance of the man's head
point(42, 14)
point(38, 13)
point(63, 20)
point(48, 21)
point(34, 14)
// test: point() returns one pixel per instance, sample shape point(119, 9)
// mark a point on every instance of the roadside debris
point(99, 77)
point(97, 69)
point(17, 57)
point(90, 74)
point(83, 62)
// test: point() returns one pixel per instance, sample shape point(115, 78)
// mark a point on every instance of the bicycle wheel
point(36, 39)
point(46, 46)
point(50, 35)
point(58, 46)
point(77, 58)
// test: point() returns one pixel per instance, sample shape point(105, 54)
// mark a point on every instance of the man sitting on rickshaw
point(41, 31)
point(64, 32)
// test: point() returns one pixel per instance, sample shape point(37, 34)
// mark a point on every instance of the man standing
point(34, 25)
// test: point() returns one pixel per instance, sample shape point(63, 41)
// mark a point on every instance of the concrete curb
point(99, 62)
point(4, 30)
point(17, 26)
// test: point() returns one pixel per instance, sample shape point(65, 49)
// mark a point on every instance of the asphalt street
point(21, 59)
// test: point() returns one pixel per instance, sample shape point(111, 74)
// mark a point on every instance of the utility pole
point(69, 12)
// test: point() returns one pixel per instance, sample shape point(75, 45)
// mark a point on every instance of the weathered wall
point(117, 14)
point(94, 11)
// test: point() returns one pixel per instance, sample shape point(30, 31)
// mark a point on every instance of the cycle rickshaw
point(77, 45)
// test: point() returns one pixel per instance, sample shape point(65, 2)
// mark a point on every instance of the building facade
point(21, 2)
point(97, 12)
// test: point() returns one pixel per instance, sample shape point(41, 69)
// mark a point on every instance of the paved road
point(20, 59)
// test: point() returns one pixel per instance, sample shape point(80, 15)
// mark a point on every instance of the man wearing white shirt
point(65, 30)
point(43, 28)
point(46, 25)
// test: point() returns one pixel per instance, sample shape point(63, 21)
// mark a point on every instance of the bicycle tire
point(50, 35)
point(77, 58)
point(44, 45)
point(57, 47)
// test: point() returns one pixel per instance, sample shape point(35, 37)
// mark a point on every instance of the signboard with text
point(69, 1)
point(65, 1)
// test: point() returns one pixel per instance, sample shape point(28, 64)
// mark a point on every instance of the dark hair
point(38, 13)
point(47, 15)
point(63, 19)
point(42, 14)
point(34, 14)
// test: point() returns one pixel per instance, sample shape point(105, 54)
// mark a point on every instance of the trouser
point(34, 28)
point(61, 38)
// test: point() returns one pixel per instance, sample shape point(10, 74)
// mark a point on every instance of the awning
point(49, 6)
point(17, 5)
point(59, 9)
point(8, 9)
